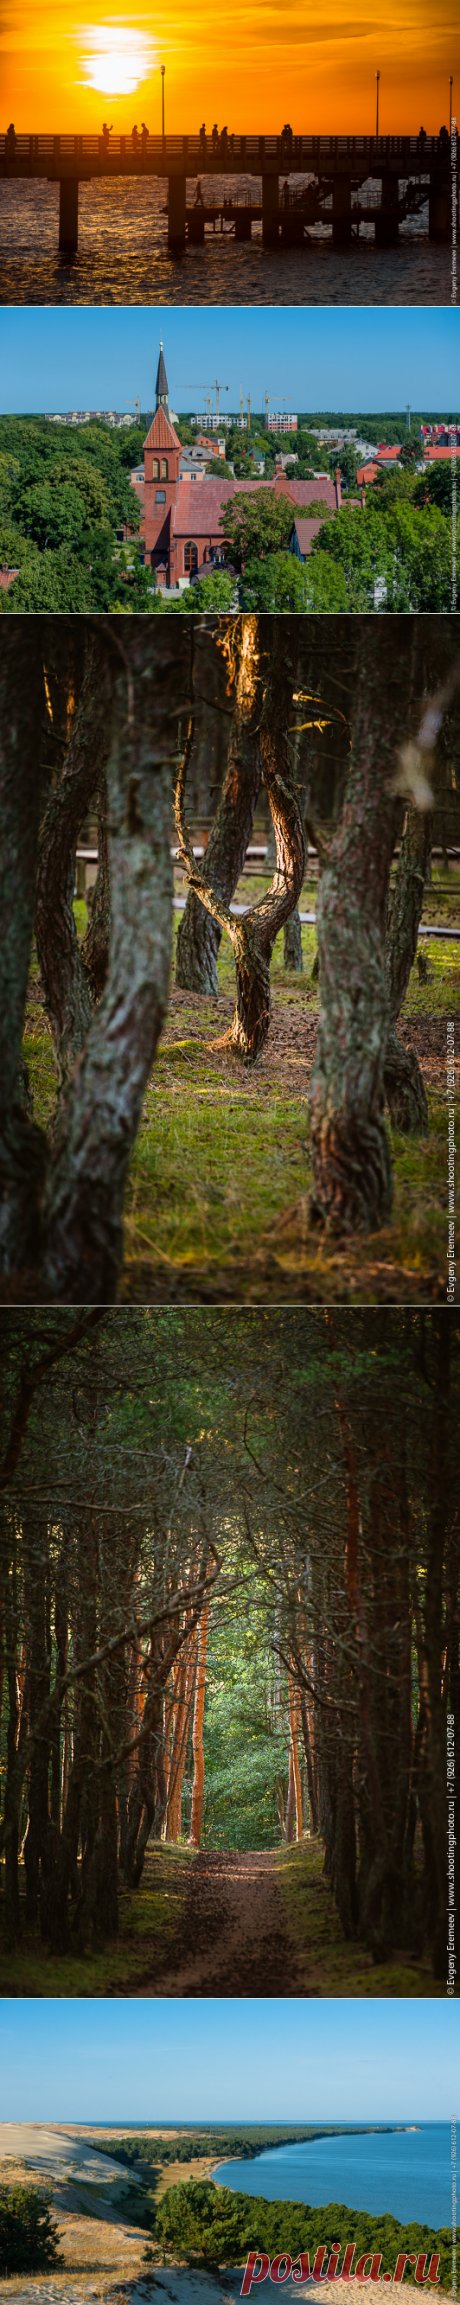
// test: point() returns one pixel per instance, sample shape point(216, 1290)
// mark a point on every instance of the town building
point(182, 524)
point(282, 423)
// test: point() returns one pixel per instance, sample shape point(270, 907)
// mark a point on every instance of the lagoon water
point(407, 2173)
point(123, 257)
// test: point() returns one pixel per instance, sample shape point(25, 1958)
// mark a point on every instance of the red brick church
point(182, 516)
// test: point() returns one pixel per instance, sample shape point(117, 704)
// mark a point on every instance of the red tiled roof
point(366, 472)
point(162, 434)
point(199, 504)
point(431, 455)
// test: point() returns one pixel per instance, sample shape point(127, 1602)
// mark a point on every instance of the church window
point(156, 468)
point(160, 496)
point(190, 559)
point(164, 468)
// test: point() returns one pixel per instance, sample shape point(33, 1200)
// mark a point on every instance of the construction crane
point(216, 387)
point(267, 405)
point(134, 404)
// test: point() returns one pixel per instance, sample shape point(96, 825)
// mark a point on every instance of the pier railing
point(230, 153)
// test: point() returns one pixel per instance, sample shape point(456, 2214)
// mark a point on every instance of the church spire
point(161, 387)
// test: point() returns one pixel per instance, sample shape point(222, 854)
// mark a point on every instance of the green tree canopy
point(28, 2236)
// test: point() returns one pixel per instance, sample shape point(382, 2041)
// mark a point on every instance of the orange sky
point(311, 62)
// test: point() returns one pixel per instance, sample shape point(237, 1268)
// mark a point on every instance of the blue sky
point(228, 2060)
point(357, 358)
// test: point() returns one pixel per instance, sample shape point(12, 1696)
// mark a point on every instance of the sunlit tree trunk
point(254, 936)
point(226, 740)
point(197, 1731)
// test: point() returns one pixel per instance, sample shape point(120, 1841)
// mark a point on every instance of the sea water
point(407, 2173)
point(123, 257)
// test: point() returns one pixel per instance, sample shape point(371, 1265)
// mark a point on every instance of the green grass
point(222, 1155)
point(333, 1966)
point(149, 1922)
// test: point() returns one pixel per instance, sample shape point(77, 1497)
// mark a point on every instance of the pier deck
point(407, 169)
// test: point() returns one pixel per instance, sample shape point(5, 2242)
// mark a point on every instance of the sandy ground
point(236, 1934)
point(176, 2285)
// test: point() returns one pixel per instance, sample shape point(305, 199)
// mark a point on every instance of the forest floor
point(232, 1923)
point(217, 1201)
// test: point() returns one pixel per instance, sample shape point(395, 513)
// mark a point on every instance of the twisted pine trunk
point(22, 1145)
point(67, 997)
point(253, 937)
point(199, 934)
point(351, 1156)
point(146, 690)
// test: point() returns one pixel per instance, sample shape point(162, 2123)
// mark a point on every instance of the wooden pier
point(407, 171)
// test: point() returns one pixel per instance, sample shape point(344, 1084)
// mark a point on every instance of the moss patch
point(150, 1922)
point(334, 1967)
point(216, 1204)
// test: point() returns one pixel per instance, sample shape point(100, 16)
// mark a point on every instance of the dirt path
point(235, 1942)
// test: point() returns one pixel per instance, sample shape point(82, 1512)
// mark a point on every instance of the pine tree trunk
point(22, 1145)
point(293, 957)
point(350, 1150)
point(95, 950)
point(294, 1716)
point(197, 1732)
point(100, 1111)
point(254, 936)
point(199, 935)
point(404, 1086)
point(67, 998)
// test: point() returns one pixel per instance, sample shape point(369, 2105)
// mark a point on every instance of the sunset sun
point(115, 59)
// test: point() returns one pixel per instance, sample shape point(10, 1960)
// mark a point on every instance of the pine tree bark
point(199, 934)
point(197, 1732)
point(350, 1149)
point(404, 1087)
point(254, 936)
point(147, 693)
point(67, 997)
point(95, 950)
point(22, 1145)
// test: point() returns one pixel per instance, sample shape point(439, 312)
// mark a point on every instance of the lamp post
point(377, 117)
point(162, 70)
point(451, 83)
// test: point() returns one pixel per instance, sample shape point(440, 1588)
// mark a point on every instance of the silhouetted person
point(106, 132)
point(11, 141)
point(215, 137)
point(144, 136)
point(422, 136)
point(285, 194)
point(444, 138)
point(198, 203)
point(134, 138)
point(203, 141)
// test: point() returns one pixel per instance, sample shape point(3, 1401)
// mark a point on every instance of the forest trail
point(235, 1941)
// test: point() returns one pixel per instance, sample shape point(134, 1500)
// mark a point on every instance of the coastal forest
point(229, 1648)
point(270, 1119)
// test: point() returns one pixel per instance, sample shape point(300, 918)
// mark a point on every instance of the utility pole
point(162, 70)
point(377, 118)
point(241, 404)
point(451, 83)
point(408, 415)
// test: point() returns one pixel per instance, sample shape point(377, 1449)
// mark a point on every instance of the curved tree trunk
point(67, 997)
point(350, 1149)
point(197, 1731)
point(22, 1145)
point(199, 934)
point(146, 692)
point(253, 937)
point(95, 950)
